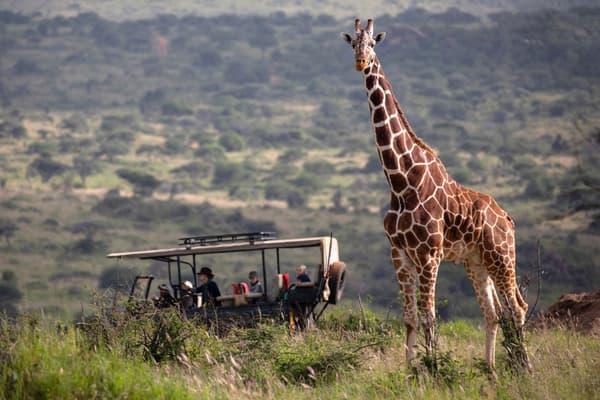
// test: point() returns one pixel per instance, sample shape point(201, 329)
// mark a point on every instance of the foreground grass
point(353, 355)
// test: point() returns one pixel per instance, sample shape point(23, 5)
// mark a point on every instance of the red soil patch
point(578, 311)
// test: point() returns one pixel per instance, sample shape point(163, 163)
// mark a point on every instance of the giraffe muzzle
point(360, 65)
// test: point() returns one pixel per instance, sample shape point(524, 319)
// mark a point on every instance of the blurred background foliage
point(120, 135)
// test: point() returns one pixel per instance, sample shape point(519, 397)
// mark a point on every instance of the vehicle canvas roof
point(228, 247)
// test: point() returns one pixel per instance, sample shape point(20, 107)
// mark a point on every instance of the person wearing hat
point(255, 285)
point(165, 299)
point(208, 288)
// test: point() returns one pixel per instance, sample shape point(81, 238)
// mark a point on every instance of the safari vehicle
point(281, 300)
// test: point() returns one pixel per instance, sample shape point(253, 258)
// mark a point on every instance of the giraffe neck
point(391, 127)
point(400, 149)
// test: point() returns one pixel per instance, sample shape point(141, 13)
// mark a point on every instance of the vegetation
point(128, 135)
point(354, 354)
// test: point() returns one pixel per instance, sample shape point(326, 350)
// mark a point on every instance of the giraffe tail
point(497, 304)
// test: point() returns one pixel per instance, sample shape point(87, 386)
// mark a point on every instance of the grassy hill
point(127, 135)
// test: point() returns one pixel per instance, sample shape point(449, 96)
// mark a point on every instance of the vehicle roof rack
point(230, 237)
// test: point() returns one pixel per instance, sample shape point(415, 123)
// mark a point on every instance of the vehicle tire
point(337, 281)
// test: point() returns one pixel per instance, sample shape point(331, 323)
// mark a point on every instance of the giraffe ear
point(379, 37)
point(346, 37)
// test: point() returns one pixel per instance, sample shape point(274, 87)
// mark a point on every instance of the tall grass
point(353, 354)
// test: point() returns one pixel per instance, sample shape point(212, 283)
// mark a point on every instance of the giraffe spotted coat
point(433, 218)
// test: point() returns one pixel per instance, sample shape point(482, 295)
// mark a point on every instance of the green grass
point(45, 364)
point(48, 360)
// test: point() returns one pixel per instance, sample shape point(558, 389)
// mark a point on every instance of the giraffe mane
point(419, 142)
point(410, 131)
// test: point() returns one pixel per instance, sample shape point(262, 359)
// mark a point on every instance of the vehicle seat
point(283, 281)
point(239, 293)
point(240, 288)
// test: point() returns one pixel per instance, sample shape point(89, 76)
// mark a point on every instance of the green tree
point(10, 295)
point(85, 166)
point(88, 244)
point(8, 229)
point(45, 167)
point(229, 173)
point(116, 278)
point(319, 167)
point(176, 109)
point(296, 198)
point(231, 142)
point(144, 184)
point(75, 123)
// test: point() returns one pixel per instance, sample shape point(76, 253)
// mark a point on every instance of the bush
point(309, 182)
point(74, 123)
point(117, 278)
point(296, 199)
point(319, 167)
point(176, 109)
point(277, 190)
point(231, 142)
point(144, 184)
point(46, 167)
point(227, 173)
point(7, 229)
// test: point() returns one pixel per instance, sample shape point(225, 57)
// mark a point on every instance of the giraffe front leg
point(407, 280)
point(427, 281)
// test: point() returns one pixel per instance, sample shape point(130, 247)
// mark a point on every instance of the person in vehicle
point(208, 288)
point(302, 278)
point(255, 285)
point(187, 302)
point(164, 299)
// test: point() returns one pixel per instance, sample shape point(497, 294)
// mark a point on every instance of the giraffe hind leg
point(489, 305)
point(513, 319)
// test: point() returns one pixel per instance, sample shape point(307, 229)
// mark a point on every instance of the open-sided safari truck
point(273, 259)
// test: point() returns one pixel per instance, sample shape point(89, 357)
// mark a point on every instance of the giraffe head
point(363, 44)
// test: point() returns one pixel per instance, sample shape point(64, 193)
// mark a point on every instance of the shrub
point(319, 167)
point(75, 123)
point(7, 229)
point(231, 142)
point(46, 167)
point(296, 199)
point(176, 109)
point(116, 277)
point(144, 184)
point(309, 182)
point(277, 190)
point(228, 173)
point(315, 361)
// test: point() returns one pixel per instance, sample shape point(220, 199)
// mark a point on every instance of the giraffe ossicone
point(432, 218)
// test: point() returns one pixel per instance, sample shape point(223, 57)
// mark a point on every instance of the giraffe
point(431, 218)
